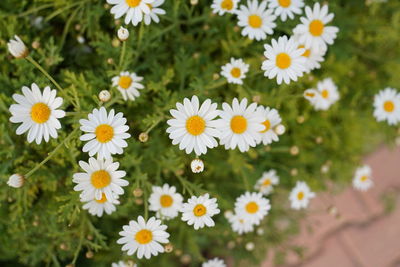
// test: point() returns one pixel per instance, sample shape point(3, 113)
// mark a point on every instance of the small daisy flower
point(300, 196)
point(128, 84)
point(224, 6)
point(155, 10)
point(106, 133)
point(387, 106)
point(284, 60)
point(97, 207)
point(197, 166)
point(363, 178)
point(313, 31)
point(252, 207)
point(271, 121)
point(199, 210)
point(257, 21)
point(216, 262)
point(325, 95)
point(144, 238)
point(267, 181)
point(100, 176)
point(37, 112)
point(235, 71)
point(133, 9)
point(241, 224)
point(17, 48)
point(165, 201)
point(240, 125)
point(16, 180)
point(286, 8)
point(193, 126)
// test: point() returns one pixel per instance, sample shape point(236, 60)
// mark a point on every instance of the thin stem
point(185, 186)
point(122, 56)
point(154, 124)
point(51, 154)
point(37, 65)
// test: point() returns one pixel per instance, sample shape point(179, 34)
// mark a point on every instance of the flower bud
point(16, 180)
point(197, 165)
point(123, 34)
point(17, 48)
point(280, 129)
point(104, 95)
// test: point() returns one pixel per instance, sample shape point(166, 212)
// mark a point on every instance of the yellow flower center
point(364, 178)
point(325, 93)
point(309, 94)
point(104, 133)
point(388, 106)
point(40, 113)
point(144, 236)
point(195, 125)
point(199, 210)
point(235, 72)
point(100, 179)
point(267, 182)
point(283, 61)
point(103, 199)
point(255, 21)
point(238, 124)
point(252, 207)
point(166, 201)
point(300, 195)
point(306, 53)
point(133, 3)
point(316, 27)
point(267, 125)
point(284, 3)
point(227, 4)
point(125, 82)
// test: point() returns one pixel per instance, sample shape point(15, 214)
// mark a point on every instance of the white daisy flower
point(17, 48)
point(363, 178)
point(122, 264)
point(387, 106)
point(155, 10)
point(128, 84)
point(98, 207)
point(16, 180)
point(286, 8)
point(252, 207)
point(271, 121)
point(267, 181)
point(235, 71)
point(313, 31)
point(199, 210)
point(193, 126)
point(144, 238)
point(241, 224)
point(165, 201)
point(314, 56)
point(197, 166)
point(240, 125)
point(325, 95)
point(38, 113)
point(100, 176)
point(134, 9)
point(216, 262)
point(257, 21)
point(105, 133)
point(300, 196)
point(284, 60)
point(224, 6)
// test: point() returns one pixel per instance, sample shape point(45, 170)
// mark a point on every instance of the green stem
point(185, 186)
point(122, 56)
point(154, 124)
point(51, 154)
point(37, 65)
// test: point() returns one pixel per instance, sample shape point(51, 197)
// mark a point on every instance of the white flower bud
point(104, 96)
point(250, 246)
point(123, 34)
point(228, 214)
point(280, 129)
point(197, 165)
point(16, 180)
point(17, 48)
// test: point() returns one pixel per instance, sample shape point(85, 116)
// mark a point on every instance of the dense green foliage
point(43, 223)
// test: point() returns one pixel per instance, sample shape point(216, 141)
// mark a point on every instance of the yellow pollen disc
point(283, 61)
point(103, 199)
point(300, 195)
point(388, 106)
point(284, 3)
point(310, 94)
point(195, 125)
point(144, 236)
point(316, 27)
point(166, 201)
point(255, 21)
point(40, 113)
point(133, 3)
point(227, 4)
point(125, 82)
point(241, 220)
point(267, 182)
point(364, 178)
point(235, 72)
point(199, 210)
point(252, 207)
point(100, 179)
point(104, 133)
point(267, 125)
point(238, 124)
point(307, 53)
point(325, 93)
